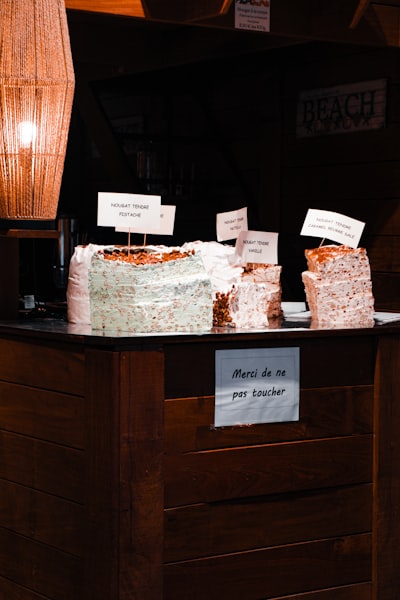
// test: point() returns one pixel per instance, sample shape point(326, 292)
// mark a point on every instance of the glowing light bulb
point(27, 132)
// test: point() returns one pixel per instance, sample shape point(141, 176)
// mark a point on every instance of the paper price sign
point(256, 385)
point(253, 15)
point(167, 222)
point(230, 224)
point(258, 247)
point(333, 226)
point(133, 211)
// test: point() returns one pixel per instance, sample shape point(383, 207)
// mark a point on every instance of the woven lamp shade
point(36, 94)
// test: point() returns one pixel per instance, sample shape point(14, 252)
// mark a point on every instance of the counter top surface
point(292, 326)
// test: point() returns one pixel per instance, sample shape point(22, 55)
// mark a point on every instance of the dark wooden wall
point(227, 105)
point(356, 174)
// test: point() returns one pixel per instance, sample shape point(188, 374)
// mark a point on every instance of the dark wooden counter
point(114, 484)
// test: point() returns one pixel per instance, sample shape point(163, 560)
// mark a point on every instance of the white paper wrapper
point(78, 302)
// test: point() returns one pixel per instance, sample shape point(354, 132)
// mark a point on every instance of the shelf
point(29, 233)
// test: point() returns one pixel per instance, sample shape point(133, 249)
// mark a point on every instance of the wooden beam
point(325, 20)
point(180, 10)
point(184, 11)
point(384, 20)
point(360, 10)
point(363, 22)
point(128, 8)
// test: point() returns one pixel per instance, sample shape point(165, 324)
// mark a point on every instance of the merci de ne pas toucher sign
point(342, 109)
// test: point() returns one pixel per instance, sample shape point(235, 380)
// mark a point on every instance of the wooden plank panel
point(41, 465)
point(275, 571)
point(340, 181)
point(223, 528)
point(306, 69)
point(361, 591)
point(361, 148)
point(42, 517)
point(337, 363)
point(260, 470)
point(45, 570)
point(11, 591)
point(102, 476)
point(42, 414)
point(386, 216)
point(46, 367)
point(190, 368)
point(386, 288)
point(324, 412)
point(141, 486)
point(384, 253)
point(387, 470)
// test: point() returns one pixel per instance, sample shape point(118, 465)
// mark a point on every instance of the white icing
point(219, 263)
point(252, 296)
point(166, 296)
point(171, 296)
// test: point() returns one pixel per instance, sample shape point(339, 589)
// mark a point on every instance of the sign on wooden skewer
point(333, 226)
point(230, 224)
point(134, 212)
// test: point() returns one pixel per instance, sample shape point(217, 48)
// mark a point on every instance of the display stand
point(115, 484)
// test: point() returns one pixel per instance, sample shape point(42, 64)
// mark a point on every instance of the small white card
point(167, 222)
point(230, 224)
point(333, 226)
point(253, 15)
point(133, 211)
point(256, 385)
point(258, 247)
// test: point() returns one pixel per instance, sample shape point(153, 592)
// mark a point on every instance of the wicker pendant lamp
point(36, 93)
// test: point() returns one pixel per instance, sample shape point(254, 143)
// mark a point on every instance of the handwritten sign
point(133, 211)
point(167, 222)
point(258, 247)
point(333, 226)
point(230, 224)
point(253, 15)
point(259, 385)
